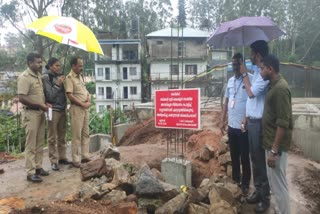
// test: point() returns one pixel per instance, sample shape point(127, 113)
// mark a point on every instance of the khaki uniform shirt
point(74, 84)
point(277, 112)
point(30, 84)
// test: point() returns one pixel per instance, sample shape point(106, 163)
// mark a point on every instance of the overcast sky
point(55, 11)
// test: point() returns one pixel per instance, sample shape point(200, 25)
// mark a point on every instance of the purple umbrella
point(244, 31)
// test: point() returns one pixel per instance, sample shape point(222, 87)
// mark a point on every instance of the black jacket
point(54, 93)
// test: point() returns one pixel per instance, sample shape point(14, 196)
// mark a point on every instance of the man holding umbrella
point(257, 90)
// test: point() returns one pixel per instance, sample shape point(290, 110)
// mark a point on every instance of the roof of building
point(187, 32)
point(119, 41)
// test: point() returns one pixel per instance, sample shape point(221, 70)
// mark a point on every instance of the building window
point(108, 92)
point(133, 90)
point(100, 91)
point(181, 48)
point(191, 70)
point(159, 42)
point(100, 72)
point(174, 69)
point(133, 71)
point(101, 108)
point(125, 92)
point(124, 73)
point(129, 55)
point(107, 73)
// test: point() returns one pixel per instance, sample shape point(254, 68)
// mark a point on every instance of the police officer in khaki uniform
point(55, 95)
point(79, 112)
point(30, 93)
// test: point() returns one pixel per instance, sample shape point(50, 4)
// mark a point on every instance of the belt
point(252, 119)
point(29, 108)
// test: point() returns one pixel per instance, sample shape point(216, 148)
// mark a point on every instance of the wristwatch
point(274, 153)
point(244, 74)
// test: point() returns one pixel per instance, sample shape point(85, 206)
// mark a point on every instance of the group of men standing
point(260, 126)
point(48, 92)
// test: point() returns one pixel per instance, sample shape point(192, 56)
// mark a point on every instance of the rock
point(170, 191)
point(121, 176)
point(156, 173)
point(147, 185)
point(115, 195)
point(131, 198)
point(224, 159)
point(95, 168)
point(149, 203)
point(223, 146)
point(113, 162)
point(229, 171)
point(108, 187)
point(204, 182)
point(214, 196)
point(226, 194)
point(197, 209)
point(222, 207)
point(205, 154)
point(125, 208)
point(1, 171)
point(89, 191)
point(234, 189)
point(110, 152)
point(222, 169)
point(174, 205)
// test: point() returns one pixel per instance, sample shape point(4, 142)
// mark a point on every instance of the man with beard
point(30, 93)
point(256, 90)
point(277, 131)
point(79, 112)
point(235, 105)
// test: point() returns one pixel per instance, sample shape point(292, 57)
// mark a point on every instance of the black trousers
point(239, 150)
point(258, 158)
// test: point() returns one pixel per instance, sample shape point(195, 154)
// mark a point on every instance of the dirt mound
point(309, 183)
point(201, 169)
point(142, 133)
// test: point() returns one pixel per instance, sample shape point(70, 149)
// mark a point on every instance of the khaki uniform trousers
point(80, 132)
point(34, 123)
point(57, 129)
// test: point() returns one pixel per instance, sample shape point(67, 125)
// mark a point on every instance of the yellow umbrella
point(67, 30)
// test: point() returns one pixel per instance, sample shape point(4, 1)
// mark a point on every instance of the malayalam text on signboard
point(177, 108)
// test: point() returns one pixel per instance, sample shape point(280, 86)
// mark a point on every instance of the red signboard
point(177, 108)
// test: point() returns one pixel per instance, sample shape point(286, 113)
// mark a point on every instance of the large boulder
point(221, 207)
point(174, 205)
point(95, 168)
point(110, 152)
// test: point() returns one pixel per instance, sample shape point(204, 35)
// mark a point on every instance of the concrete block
point(176, 171)
point(119, 131)
point(98, 142)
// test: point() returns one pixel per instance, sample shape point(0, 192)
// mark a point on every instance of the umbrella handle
point(64, 61)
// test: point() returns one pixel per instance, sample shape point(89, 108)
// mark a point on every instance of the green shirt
point(277, 112)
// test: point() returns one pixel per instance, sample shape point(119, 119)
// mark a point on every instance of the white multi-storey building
point(175, 55)
point(118, 74)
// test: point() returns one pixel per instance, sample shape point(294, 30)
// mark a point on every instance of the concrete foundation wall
point(306, 126)
point(98, 141)
point(176, 171)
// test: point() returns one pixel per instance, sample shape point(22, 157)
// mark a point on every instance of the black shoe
point(55, 167)
point(64, 161)
point(253, 198)
point(34, 178)
point(262, 206)
point(85, 160)
point(41, 172)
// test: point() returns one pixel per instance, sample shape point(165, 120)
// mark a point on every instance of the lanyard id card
point(232, 103)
